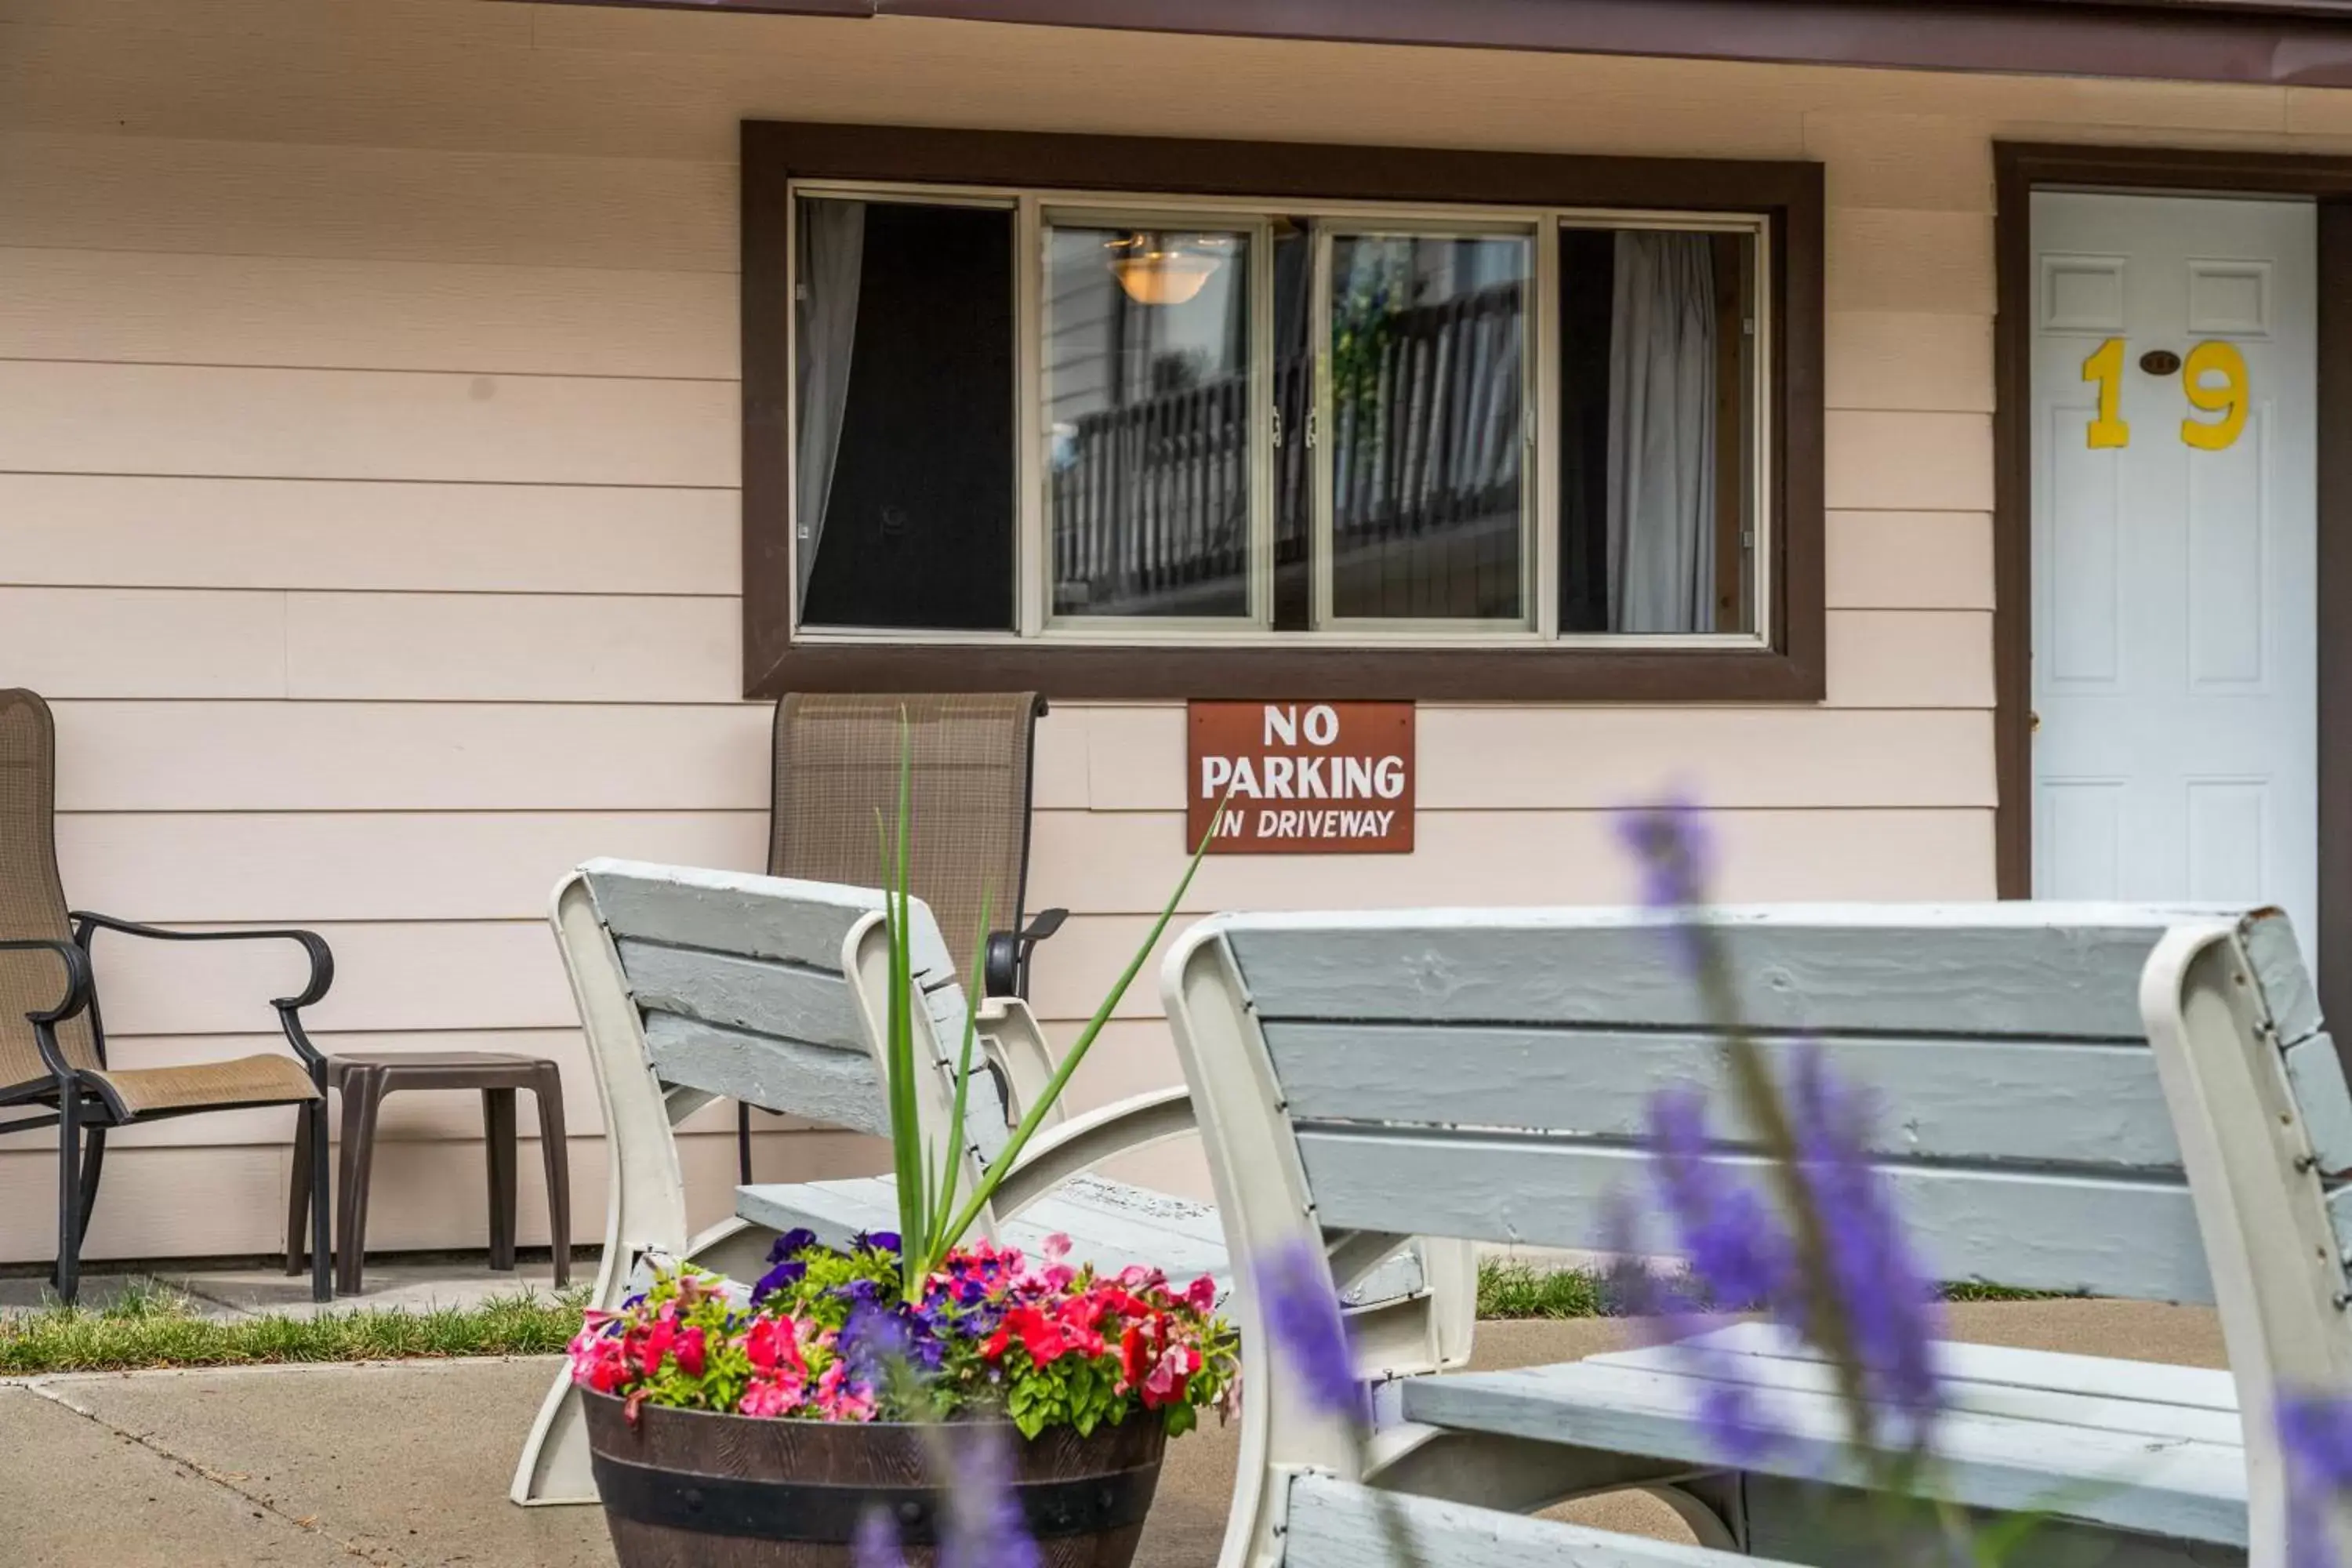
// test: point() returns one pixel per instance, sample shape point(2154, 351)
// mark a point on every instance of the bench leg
point(322, 1251)
point(555, 1154)
point(499, 1142)
point(1714, 1506)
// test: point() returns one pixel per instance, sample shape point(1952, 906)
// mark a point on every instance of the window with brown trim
point(1145, 418)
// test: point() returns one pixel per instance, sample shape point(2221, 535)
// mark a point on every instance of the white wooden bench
point(694, 985)
point(1484, 1074)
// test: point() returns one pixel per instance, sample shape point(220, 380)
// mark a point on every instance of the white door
point(2175, 671)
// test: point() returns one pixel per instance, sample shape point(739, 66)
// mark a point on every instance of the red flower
point(773, 1346)
point(688, 1350)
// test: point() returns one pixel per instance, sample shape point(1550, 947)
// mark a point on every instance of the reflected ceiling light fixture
point(1158, 268)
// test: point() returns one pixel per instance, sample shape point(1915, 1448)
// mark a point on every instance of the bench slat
point(834, 1087)
point(1942, 1099)
point(778, 999)
point(2055, 972)
point(762, 917)
point(2105, 1377)
point(2108, 1236)
point(2016, 1402)
point(2187, 1489)
point(1338, 1524)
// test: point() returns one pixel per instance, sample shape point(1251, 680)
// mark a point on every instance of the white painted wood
point(2194, 1388)
point(1331, 1523)
point(830, 1086)
point(2184, 1487)
point(798, 922)
point(2174, 621)
point(743, 993)
point(365, 424)
point(2026, 970)
point(176, 531)
point(2278, 1268)
point(1947, 1097)
point(2053, 1231)
point(647, 1191)
point(2050, 1401)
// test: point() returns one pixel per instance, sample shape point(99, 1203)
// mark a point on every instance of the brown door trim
point(2018, 169)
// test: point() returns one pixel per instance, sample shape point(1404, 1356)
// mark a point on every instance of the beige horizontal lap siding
point(367, 505)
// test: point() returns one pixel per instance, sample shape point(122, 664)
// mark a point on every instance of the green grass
point(1510, 1289)
point(149, 1326)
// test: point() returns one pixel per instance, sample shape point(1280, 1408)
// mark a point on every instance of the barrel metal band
point(824, 1511)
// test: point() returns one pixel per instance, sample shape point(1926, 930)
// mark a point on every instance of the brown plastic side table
point(365, 1079)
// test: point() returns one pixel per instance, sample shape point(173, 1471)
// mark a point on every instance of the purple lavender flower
point(1302, 1315)
point(1890, 1312)
point(1669, 840)
point(876, 1544)
point(1736, 1247)
point(986, 1527)
point(2315, 1438)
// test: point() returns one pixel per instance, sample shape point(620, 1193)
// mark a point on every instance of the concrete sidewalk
point(406, 1466)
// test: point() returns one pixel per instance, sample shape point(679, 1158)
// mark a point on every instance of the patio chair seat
point(247, 1080)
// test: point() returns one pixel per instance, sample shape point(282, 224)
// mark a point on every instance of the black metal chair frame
point(87, 1109)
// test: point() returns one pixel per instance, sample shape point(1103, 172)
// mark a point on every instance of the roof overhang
point(2302, 42)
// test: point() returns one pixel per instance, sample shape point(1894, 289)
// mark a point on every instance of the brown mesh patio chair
point(971, 756)
point(53, 1039)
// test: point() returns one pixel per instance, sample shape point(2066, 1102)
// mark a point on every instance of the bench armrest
point(1016, 1049)
point(86, 924)
point(1085, 1141)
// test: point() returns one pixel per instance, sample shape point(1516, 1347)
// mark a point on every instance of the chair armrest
point(76, 964)
point(1085, 1141)
point(1017, 1049)
point(1004, 958)
point(323, 960)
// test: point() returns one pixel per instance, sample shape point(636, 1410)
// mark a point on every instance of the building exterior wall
point(368, 454)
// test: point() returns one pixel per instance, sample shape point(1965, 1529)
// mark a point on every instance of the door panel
point(2174, 551)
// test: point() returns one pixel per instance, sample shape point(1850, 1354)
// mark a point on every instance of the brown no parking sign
point(1301, 778)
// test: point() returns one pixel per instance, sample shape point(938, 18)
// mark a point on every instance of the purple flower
point(1302, 1315)
point(2315, 1436)
point(875, 1240)
point(792, 1244)
point(1890, 1312)
point(1669, 839)
point(879, 1337)
point(877, 1545)
point(1742, 1254)
point(986, 1527)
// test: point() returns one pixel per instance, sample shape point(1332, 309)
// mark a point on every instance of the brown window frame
point(1789, 668)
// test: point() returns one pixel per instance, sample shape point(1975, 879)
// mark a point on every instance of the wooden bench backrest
point(740, 986)
point(1486, 1074)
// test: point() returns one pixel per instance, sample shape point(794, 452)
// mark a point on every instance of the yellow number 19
point(2106, 368)
point(2229, 399)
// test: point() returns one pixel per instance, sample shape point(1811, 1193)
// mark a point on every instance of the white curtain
point(832, 252)
point(1662, 434)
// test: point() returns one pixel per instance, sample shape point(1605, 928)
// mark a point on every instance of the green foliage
point(929, 1220)
point(1513, 1290)
point(149, 1326)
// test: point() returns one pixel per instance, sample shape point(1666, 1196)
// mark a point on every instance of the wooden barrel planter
point(687, 1487)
